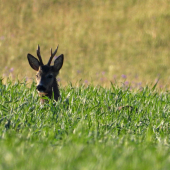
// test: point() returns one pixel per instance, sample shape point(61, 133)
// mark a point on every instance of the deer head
point(46, 74)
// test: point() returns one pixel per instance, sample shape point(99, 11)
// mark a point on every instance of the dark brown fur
point(46, 75)
point(55, 89)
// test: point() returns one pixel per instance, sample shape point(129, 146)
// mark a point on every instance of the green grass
point(100, 39)
point(85, 129)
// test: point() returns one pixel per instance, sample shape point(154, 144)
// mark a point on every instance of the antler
point(39, 55)
point(52, 55)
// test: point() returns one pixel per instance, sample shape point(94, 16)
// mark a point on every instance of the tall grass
point(101, 40)
point(85, 129)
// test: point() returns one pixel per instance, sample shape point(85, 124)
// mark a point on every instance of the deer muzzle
point(41, 88)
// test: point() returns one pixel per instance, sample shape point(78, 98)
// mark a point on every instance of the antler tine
point(52, 55)
point(39, 55)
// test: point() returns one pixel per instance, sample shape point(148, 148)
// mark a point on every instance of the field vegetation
point(86, 129)
point(121, 45)
point(101, 40)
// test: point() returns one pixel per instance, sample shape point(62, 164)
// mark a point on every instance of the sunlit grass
point(123, 42)
point(114, 37)
point(85, 129)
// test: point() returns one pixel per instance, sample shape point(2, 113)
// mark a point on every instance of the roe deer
point(46, 74)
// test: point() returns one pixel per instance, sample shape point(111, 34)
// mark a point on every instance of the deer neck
point(54, 89)
point(49, 94)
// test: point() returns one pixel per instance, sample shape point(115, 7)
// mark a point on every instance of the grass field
point(121, 45)
point(101, 40)
point(85, 129)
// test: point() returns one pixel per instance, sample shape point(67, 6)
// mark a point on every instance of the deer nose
point(41, 88)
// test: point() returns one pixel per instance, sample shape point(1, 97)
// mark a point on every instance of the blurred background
point(102, 41)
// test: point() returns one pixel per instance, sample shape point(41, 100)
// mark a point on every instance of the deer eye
point(50, 76)
point(37, 75)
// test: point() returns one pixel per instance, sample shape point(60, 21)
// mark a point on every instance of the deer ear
point(34, 63)
point(58, 63)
